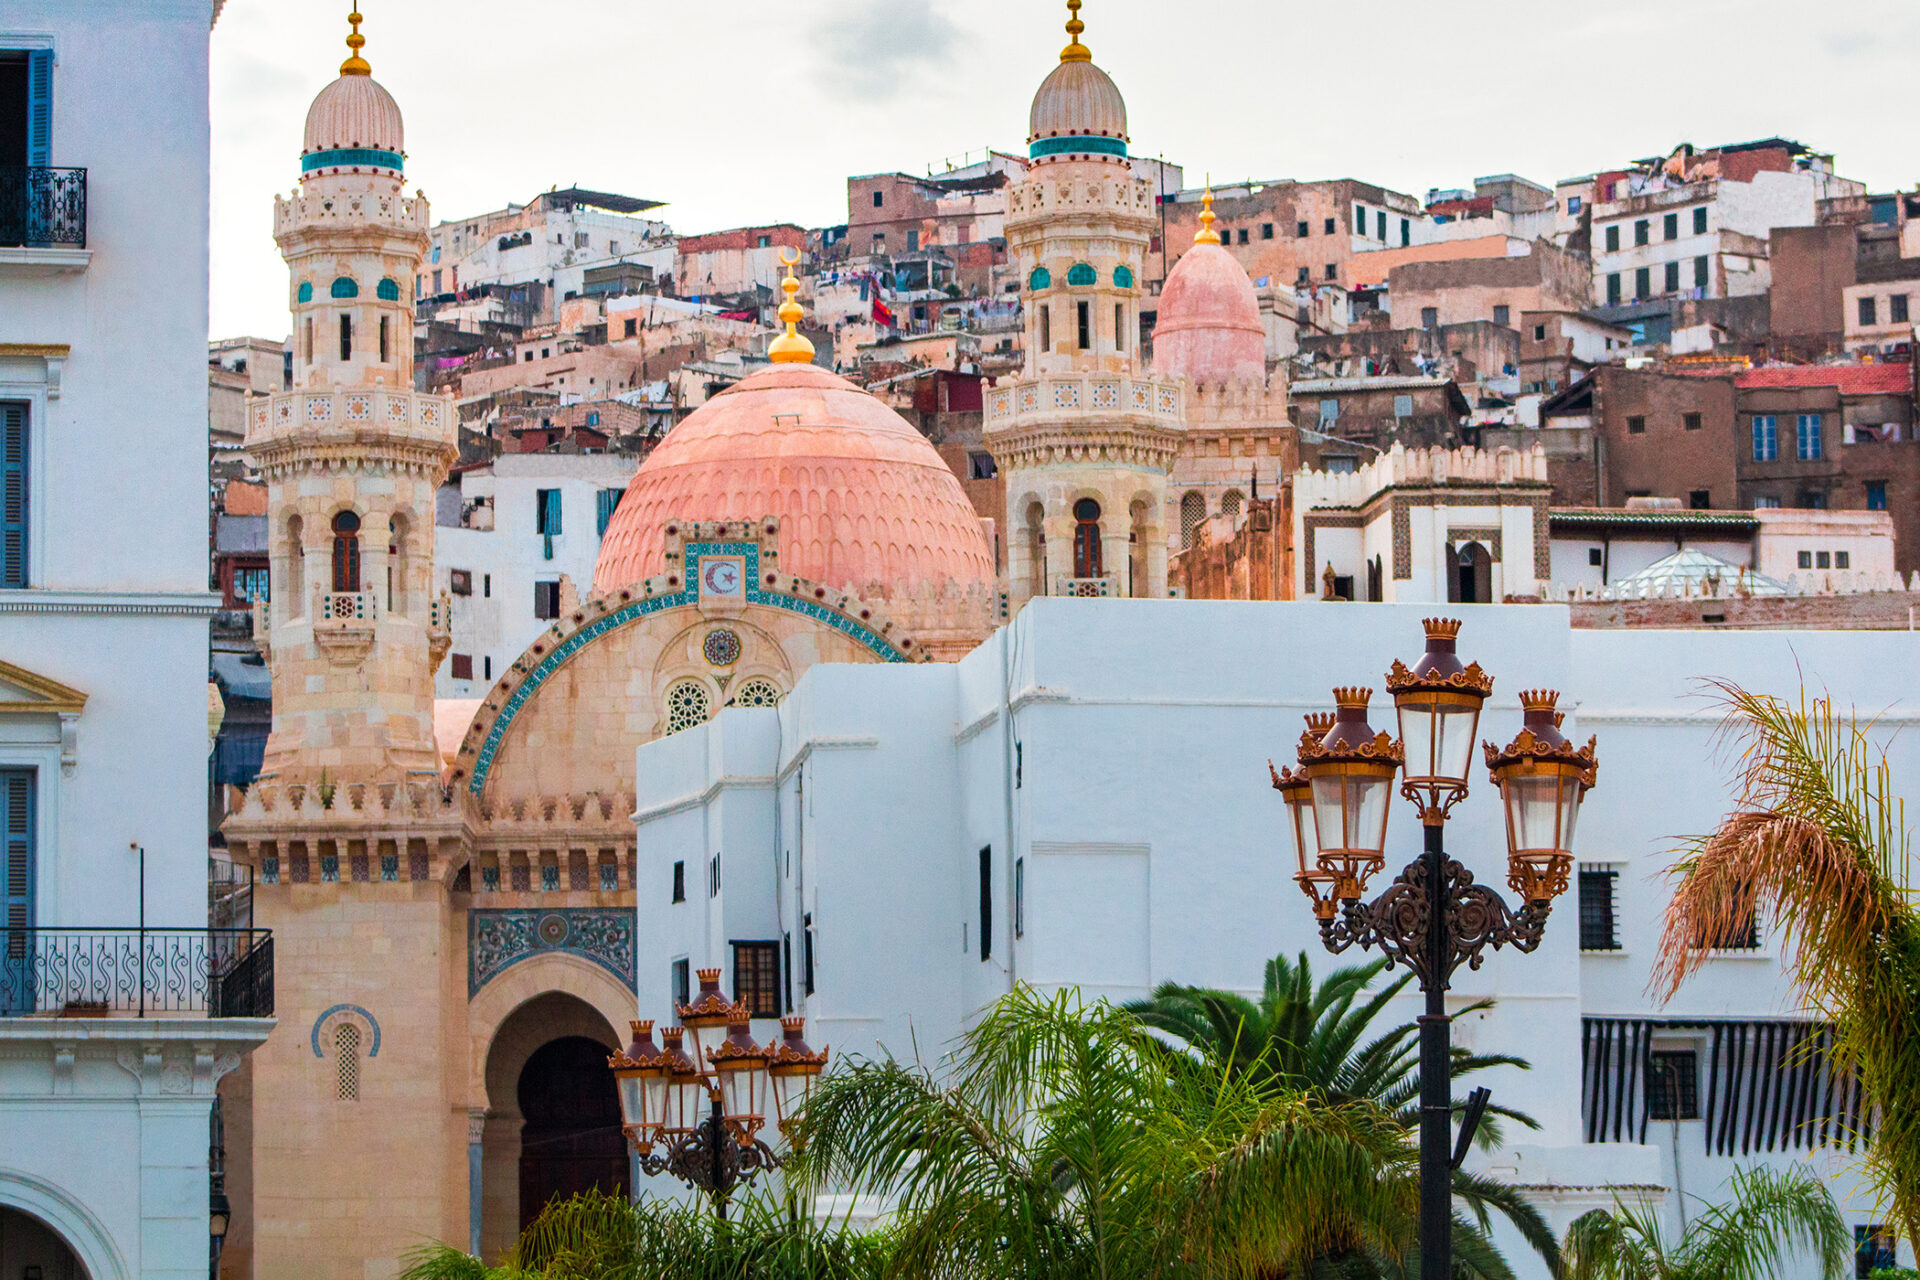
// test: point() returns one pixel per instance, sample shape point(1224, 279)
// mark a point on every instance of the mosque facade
point(455, 887)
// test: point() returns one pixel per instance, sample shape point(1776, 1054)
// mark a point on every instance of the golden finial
point(1075, 51)
point(355, 65)
point(790, 347)
point(1206, 234)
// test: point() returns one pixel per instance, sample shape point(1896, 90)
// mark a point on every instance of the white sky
point(738, 113)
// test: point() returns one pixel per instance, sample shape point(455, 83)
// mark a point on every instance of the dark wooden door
point(571, 1140)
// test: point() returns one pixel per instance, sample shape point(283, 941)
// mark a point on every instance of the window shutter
point(40, 107)
point(13, 495)
point(16, 888)
point(609, 499)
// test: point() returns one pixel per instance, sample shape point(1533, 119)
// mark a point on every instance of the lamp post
point(1433, 917)
point(705, 1112)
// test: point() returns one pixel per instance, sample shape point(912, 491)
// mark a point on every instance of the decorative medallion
point(721, 647)
point(359, 409)
point(1139, 395)
point(1066, 395)
point(498, 940)
point(1106, 395)
point(553, 929)
point(396, 408)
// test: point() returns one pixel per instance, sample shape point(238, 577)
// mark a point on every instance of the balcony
point(43, 217)
point(1102, 586)
point(143, 973)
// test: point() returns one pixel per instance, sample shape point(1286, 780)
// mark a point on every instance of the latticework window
point(757, 693)
point(346, 1054)
point(1230, 505)
point(1193, 510)
point(687, 706)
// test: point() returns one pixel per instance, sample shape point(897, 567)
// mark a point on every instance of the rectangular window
point(1700, 221)
point(1120, 327)
point(1302, 276)
point(1805, 560)
point(546, 600)
point(1595, 558)
point(681, 982)
point(879, 199)
point(1539, 333)
point(1613, 289)
point(16, 881)
point(630, 328)
point(1690, 421)
point(1360, 219)
point(1766, 502)
point(1876, 495)
point(1642, 231)
point(1813, 500)
point(1501, 315)
point(1766, 438)
point(462, 666)
point(1670, 226)
point(1866, 311)
point(1700, 500)
point(1873, 1250)
point(679, 882)
point(486, 586)
point(1085, 325)
point(346, 337)
point(605, 503)
point(1897, 308)
point(486, 666)
point(1266, 231)
point(1329, 412)
point(384, 358)
point(13, 495)
point(756, 978)
point(1573, 204)
point(1402, 407)
point(1613, 238)
point(1843, 560)
point(1046, 329)
point(1379, 225)
point(986, 902)
point(1333, 272)
point(1303, 230)
point(546, 513)
point(1019, 897)
point(1821, 560)
point(1599, 928)
point(1243, 235)
point(1806, 437)
point(786, 971)
point(1673, 1085)
point(1331, 226)
point(1636, 426)
point(1700, 272)
point(1406, 233)
point(913, 240)
point(1642, 283)
point(713, 876)
point(980, 466)
point(806, 956)
point(1672, 277)
point(436, 282)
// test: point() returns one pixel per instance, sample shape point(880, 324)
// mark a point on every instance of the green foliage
point(1753, 1236)
point(1820, 836)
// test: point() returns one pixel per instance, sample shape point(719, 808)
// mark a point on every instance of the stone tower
point(348, 1131)
point(1085, 437)
point(352, 456)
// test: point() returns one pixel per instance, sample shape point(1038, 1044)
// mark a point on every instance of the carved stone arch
point(544, 974)
point(68, 1216)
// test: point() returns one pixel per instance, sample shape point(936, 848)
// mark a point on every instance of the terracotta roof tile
point(1851, 379)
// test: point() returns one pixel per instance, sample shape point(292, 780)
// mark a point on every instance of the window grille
point(687, 706)
point(757, 693)
point(346, 1052)
point(756, 977)
point(1673, 1085)
point(1599, 926)
point(1230, 504)
point(1193, 511)
point(13, 495)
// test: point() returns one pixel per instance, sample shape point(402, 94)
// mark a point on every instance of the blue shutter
point(608, 502)
point(16, 889)
point(13, 495)
point(553, 512)
point(40, 107)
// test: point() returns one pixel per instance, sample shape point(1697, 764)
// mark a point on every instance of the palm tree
point(1753, 1236)
point(1056, 1146)
point(1819, 836)
point(1306, 1039)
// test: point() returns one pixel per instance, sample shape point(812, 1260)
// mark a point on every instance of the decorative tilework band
point(347, 157)
point(1078, 144)
point(498, 940)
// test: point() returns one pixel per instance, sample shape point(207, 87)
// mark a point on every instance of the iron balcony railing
point(42, 208)
point(209, 973)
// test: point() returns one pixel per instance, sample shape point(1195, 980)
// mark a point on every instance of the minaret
point(352, 456)
point(1085, 436)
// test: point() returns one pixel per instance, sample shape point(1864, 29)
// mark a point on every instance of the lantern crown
point(738, 1046)
point(792, 1053)
point(1350, 738)
point(1439, 669)
point(1541, 742)
point(709, 1008)
point(641, 1053)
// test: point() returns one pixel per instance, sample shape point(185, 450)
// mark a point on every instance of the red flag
point(882, 313)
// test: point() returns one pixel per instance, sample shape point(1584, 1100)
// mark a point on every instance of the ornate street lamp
point(1433, 917)
point(705, 1112)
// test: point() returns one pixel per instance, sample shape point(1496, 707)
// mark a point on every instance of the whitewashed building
point(112, 988)
point(1084, 801)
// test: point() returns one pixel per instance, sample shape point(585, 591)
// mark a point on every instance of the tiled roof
point(1851, 379)
point(1656, 517)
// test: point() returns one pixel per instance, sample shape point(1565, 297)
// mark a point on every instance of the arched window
point(1230, 504)
point(306, 291)
point(1123, 277)
point(1193, 510)
point(344, 287)
point(757, 693)
point(1086, 538)
point(346, 1062)
point(387, 290)
point(1040, 279)
point(1082, 274)
point(295, 586)
point(346, 552)
point(687, 705)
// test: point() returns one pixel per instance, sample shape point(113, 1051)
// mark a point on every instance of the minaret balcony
point(1103, 585)
point(343, 625)
point(308, 211)
point(1051, 397)
point(439, 630)
point(358, 415)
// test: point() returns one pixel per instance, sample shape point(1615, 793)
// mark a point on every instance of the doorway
point(571, 1140)
point(1472, 575)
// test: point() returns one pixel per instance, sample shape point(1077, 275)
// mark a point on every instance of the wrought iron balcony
point(207, 973)
point(42, 208)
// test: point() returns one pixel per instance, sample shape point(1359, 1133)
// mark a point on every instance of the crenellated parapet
point(1043, 199)
point(335, 213)
point(1400, 466)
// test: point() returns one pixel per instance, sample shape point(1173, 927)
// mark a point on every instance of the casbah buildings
point(797, 642)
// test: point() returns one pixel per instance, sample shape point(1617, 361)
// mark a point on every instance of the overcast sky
point(738, 113)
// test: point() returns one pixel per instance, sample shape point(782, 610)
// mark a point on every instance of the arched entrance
point(29, 1247)
point(1472, 575)
point(570, 1139)
point(548, 1092)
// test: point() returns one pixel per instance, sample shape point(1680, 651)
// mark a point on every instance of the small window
point(1502, 315)
point(306, 291)
point(764, 242)
point(980, 466)
point(1643, 283)
point(1897, 308)
point(1593, 557)
point(1266, 231)
point(1843, 560)
point(1329, 412)
point(1085, 330)
point(630, 328)
point(713, 876)
point(1766, 502)
point(1360, 218)
point(1807, 437)
point(1876, 495)
point(1821, 560)
point(486, 667)
point(1636, 426)
point(1671, 277)
point(546, 514)
point(687, 706)
point(756, 978)
point(1120, 327)
point(344, 287)
point(879, 199)
point(462, 666)
point(1080, 275)
point(346, 337)
point(1806, 560)
point(1690, 421)
point(1243, 235)
point(1302, 230)
point(1766, 438)
point(1670, 226)
point(388, 290)
point(1046, 329)
point(1673, 1085)
point(1642, 231)
point(1302, 276)
point(679, 979)
point(1613, 296)
point(986, 902)
point(1406, 233)
point(346, 552)
point(486, 586)
point(1599, 927)
point(1123, 277)
point(806, 954)
point(1866, 312)
point(1700, 221)
point(385, 357)
point(1379, 225)
point(593, 417)
point(1402, 407)
point(346, 1062)
point(1333, 272)
point(1874, 1250)
point(1613, 238)
point(605, 503)
point(1700, 500)
point(1429, 317)
point(13, 495)
point(1331, 226)
point(913, 240)
point(546, 600)
point(1019, 897)
point(679, 882)
point(1539, 333)
point(1700, 272)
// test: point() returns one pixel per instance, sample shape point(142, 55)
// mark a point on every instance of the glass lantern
point(1298, 794)
point(792, 1068)
point(1543, 780)
point(740, 1066)
point(707, 1018)
point(641, 1073)
point(1351, 771)
point(684, 1097)
point(1439, 703)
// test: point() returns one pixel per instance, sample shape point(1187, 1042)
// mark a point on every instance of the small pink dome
point(1209, 327)
point(354, 113)
point(862, 498)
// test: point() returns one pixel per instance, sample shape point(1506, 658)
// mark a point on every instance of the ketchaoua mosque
point(454, 894)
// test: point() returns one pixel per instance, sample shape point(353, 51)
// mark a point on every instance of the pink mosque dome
point(861, 497)
point(1209, 326)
